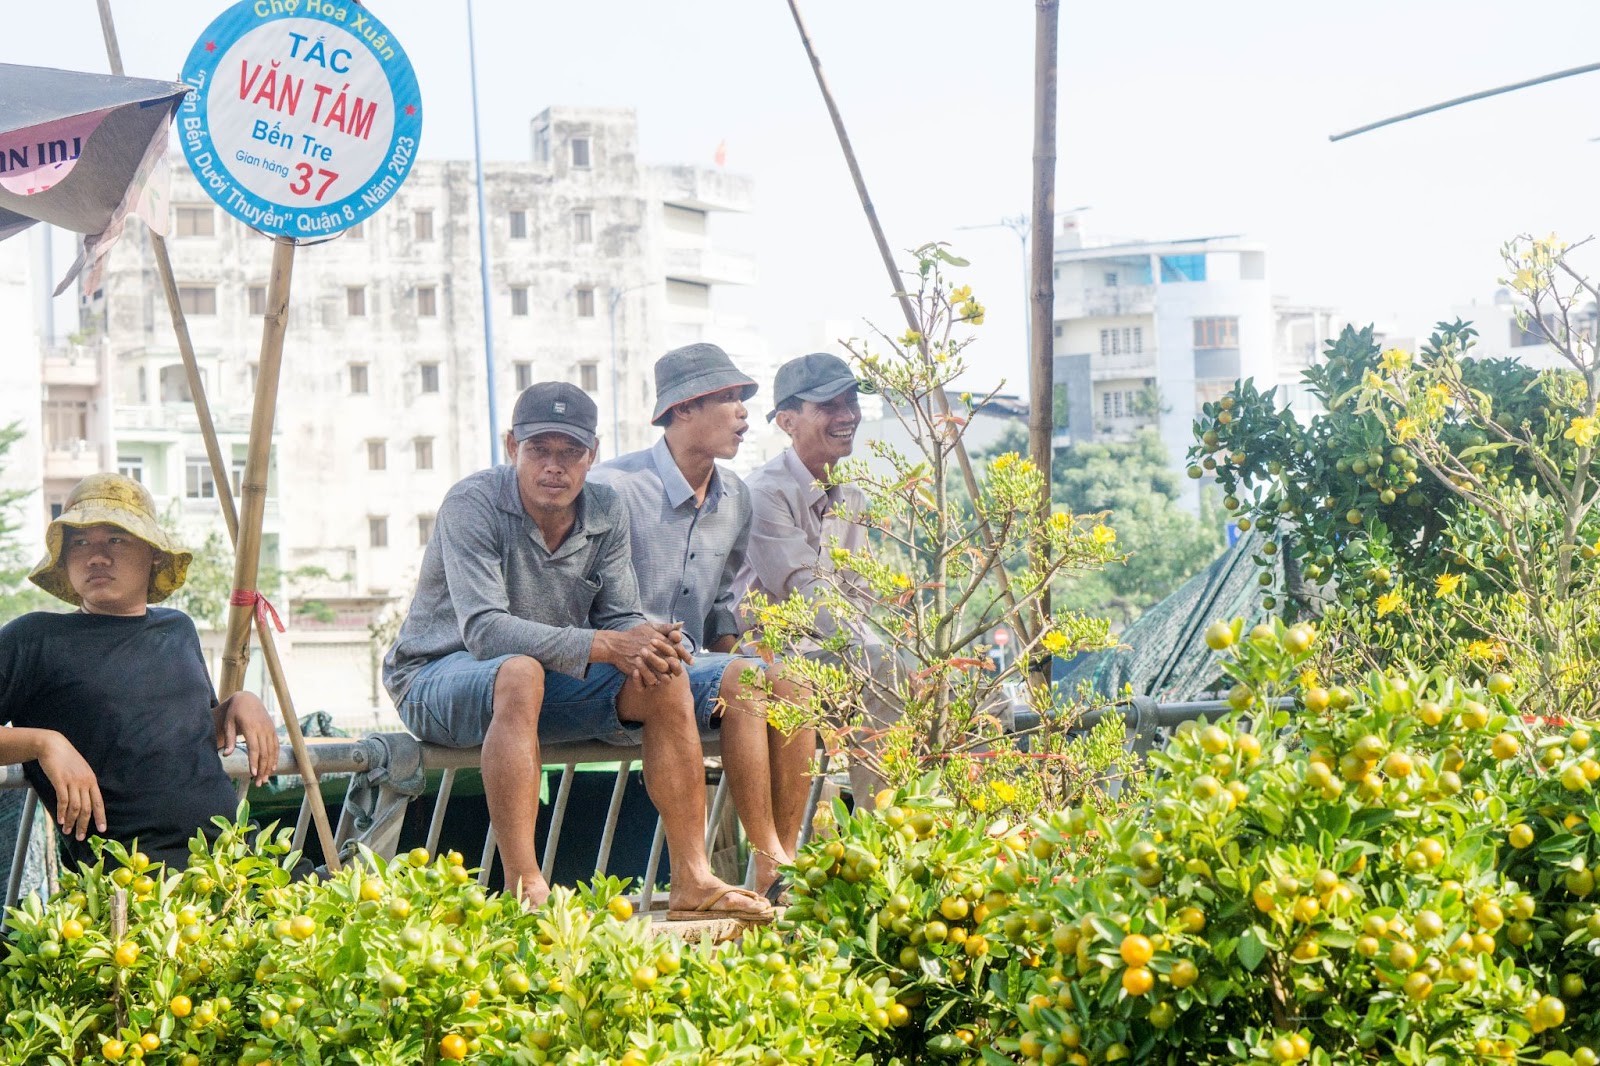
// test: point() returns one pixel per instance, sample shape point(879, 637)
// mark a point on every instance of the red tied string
point(252, 598)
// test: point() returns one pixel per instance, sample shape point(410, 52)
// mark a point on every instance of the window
point(524, 375)
point(175, 384)
point(430, 377)
point(194, 220)
point(236, 476)
point(144, 385)
point(1216, 333)
point(422, 225)
point(585, 302)
point(198, 484)
point(358, 379)
point(257, 295)
point(378, 532)
point(1138, 338)
point(583, 226)
point(131, 466)
point(377, 455)
point(198, 299)
point(1105, 404)
point(1111, 279)
point(66, 423)
point(1183, 268)
point(424, 529)
point(588, 376)
point(1116, 405)
point(1061, 331)
point(519, 300)
point(427, 301)
point(355, 300)
point(422, 448)
point(358, 232)
point(580, 152)
point(519, 225)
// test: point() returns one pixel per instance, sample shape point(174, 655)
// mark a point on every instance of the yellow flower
point(1395, 360)
point(1370, 380)
point(979, 803)
point(1307, 678)
point(1389, 601)
point(1405, 428)
point(1103, 534)
point(1055, 642)
point(1060, 520)
point(1524, 281)
point(1583, 431)
point(961, 295)
point(1482, 649)
point(1446, 585)
point(902, 581)
point(1005, 790)
point(1003, 462)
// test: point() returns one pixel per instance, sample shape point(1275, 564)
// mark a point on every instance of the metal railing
point(1144, 719)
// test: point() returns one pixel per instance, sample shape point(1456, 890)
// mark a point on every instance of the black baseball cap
point(555, 407)
point(817, 377)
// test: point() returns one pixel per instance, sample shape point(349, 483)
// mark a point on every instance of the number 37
point(303, 186)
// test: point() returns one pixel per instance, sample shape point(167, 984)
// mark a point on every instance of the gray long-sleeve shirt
point(490, 586)
point(685, 555)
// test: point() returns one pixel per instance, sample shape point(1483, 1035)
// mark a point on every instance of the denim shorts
point(451, 701)
point(705, 681)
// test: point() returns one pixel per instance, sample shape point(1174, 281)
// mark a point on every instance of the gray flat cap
point(693, 371)
point(817, 377)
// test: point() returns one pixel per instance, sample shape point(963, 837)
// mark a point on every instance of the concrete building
point(1502, 336)
point(22, 401)
point(598, 264)
point(1146, 332)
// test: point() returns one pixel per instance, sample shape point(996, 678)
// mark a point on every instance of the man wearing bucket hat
point(526, 628)
point(111, 708)
point(796, 518)
point(690, 522)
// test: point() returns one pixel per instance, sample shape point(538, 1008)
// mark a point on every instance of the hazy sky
point(1176, 119)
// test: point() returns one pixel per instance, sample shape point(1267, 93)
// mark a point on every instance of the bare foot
point(530, 886)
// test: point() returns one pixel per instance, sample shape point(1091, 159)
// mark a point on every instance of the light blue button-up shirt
point(686, 556)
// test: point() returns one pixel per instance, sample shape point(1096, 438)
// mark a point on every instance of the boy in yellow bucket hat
point(111, 708)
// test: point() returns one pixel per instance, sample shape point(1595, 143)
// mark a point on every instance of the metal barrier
point(1144, 718)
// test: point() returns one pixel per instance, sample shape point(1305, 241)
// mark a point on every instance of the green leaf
point(1252, 948)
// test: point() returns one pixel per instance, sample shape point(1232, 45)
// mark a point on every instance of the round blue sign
point(304, 115)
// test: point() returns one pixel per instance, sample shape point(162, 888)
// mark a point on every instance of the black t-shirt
point(133, 696)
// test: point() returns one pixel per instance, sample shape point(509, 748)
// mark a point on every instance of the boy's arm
point(78, 802)
point(243, 715)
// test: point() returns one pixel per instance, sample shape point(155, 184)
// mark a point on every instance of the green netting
point(1164, 655)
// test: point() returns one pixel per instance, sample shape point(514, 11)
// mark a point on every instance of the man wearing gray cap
point(691, 521)
point(816, 404)
point(526, 627)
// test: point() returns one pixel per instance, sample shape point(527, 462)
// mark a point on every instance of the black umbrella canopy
point(72, 144)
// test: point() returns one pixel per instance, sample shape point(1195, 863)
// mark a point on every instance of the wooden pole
point(219, 474)
point(1041, 310)
point(943, 401)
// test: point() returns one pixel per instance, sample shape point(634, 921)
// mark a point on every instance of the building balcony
point(168, 418)
point(73, 462)
point(72, 366)
point(703, 188)
point(708, 266)
point(1106, 302)
point(1126, 365)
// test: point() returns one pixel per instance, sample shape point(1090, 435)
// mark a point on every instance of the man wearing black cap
point(816, 404)
point(691, 520)
point(526, 627)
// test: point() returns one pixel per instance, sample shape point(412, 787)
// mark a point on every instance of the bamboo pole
point(1041, 386)
point(219, 474)
point(943, 401)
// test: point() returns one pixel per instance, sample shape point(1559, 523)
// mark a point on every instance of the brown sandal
point(709, 911)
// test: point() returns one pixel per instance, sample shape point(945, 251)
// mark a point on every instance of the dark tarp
point(1165, 655)
point(75, 148)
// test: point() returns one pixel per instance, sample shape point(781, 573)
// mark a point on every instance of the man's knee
point(519, 688)
point(666, 699)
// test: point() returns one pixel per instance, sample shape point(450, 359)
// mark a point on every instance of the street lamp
point(616, 298)
point(483, 251)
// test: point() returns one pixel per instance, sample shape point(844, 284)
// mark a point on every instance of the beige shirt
point(795, 524)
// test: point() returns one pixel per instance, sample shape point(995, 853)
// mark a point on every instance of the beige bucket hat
point(113, 500)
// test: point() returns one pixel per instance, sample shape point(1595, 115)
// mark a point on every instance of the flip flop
point(777, 893)
point(708, 909)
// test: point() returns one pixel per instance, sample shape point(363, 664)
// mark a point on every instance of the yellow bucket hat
point(113, 500)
